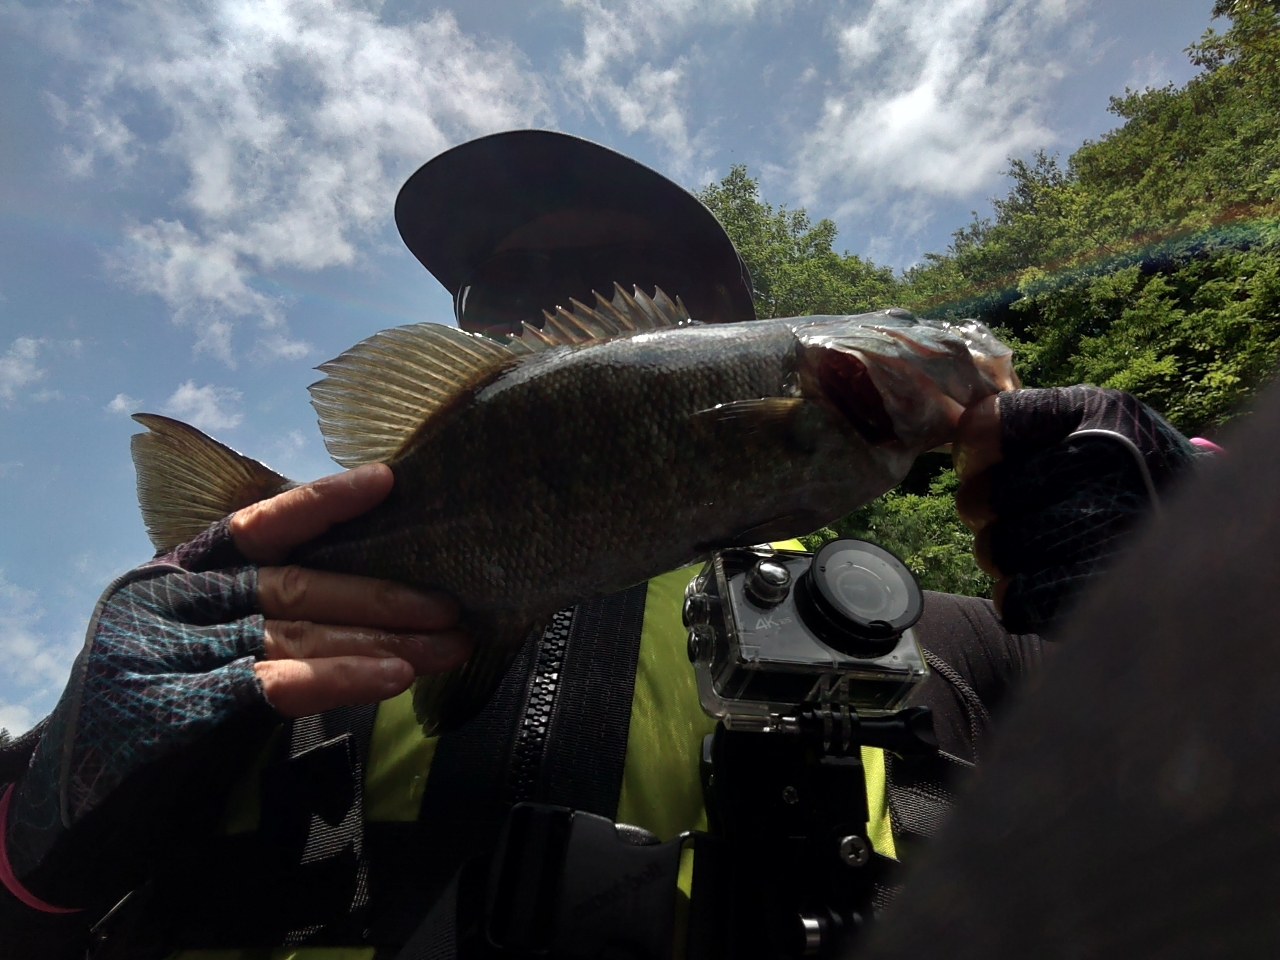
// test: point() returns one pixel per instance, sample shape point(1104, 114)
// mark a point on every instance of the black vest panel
point(316, 873)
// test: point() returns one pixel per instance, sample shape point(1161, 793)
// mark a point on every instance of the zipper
point(531, 737)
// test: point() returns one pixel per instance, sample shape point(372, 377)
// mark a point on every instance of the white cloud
point(207, 407)
point(1148, 71)
point(288, 449)
point(293, 124)
point(33, 665)
point(16, 718)
point(18, 367)
point(123, 403)
point(290, 443)
point(616, 67)
point(935, 95)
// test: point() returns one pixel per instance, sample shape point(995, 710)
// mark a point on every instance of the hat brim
point(542, 192)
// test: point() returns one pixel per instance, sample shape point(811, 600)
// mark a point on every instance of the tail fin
point(187, 480)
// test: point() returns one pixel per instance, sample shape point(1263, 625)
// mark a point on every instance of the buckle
point(574, 886)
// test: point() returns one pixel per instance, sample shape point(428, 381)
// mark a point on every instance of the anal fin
point(187, 480)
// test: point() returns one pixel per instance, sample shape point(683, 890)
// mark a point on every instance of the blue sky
point(196, 198)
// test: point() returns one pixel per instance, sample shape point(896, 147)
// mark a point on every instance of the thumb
point(977, 443)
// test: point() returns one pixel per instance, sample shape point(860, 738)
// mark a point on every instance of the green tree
point(1148, 261)
point(923, 530)
point(794, 269)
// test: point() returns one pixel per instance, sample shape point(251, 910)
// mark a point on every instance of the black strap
point(918, 795)
point(575, 682)
point(586, 747)
point(556, 732)
point(313, 807)
point(316, 873)
point(919, 790)
point(465, 798)
point(437, 936)
point(303, 877)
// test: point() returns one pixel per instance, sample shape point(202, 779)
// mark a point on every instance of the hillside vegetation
point(1149, 261)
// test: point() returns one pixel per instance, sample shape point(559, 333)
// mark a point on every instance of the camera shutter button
point(768, 582)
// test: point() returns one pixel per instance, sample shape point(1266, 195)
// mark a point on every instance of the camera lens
point(865, 586)
point(859, 597)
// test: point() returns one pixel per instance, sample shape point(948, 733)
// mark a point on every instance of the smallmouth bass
point(618, 442)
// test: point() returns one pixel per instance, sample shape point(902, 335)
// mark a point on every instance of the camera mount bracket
point(907, 732)
point(790, 870)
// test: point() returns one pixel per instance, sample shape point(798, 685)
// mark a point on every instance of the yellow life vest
point(661, 783)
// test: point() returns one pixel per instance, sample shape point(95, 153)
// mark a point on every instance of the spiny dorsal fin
point(187, 480)
point(376, 395)
point(626, 313)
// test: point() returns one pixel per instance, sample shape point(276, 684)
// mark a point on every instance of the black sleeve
point(973, 665)
point(26, 934)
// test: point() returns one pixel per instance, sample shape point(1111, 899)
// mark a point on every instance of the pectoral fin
point(793, 421)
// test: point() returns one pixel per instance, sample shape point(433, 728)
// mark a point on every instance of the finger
point(982, 552)
point(973, 501)
point(998, 594)
point(300, 688)
point(296, 593)
point(302, 640)
point(266, 531)
point(977, 444)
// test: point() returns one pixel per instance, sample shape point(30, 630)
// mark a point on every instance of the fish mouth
point(897, 379)
point(843, 378)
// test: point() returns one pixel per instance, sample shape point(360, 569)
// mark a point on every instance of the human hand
point(184, 674)
point(335, 639)
point(1049, 510)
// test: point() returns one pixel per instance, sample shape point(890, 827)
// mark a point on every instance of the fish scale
point(618, 442)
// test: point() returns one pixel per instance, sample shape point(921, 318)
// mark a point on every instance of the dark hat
point(519, 222)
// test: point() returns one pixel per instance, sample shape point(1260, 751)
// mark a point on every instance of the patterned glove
point(1064, 504)
point(162, 709)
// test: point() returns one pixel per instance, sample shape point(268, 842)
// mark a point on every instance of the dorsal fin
point(187, 480)
point(375, 396)
point(626, 313)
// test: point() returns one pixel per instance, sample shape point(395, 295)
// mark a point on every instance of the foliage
point(1149, 261)
point(923, 530)
point(793, 267)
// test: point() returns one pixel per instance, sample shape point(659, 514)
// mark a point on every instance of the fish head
point(898, 379)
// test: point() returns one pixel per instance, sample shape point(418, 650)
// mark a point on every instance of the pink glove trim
point(1204, 444)
point(6, 872)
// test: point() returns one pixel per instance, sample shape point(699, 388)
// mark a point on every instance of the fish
point(616, 442)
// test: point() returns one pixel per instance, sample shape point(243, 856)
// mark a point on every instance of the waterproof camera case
point(776, 633)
